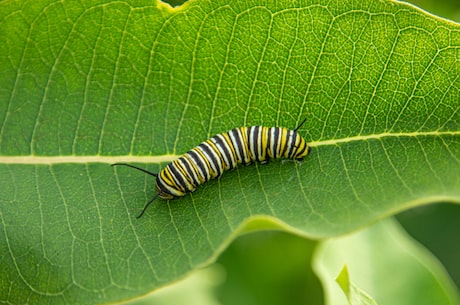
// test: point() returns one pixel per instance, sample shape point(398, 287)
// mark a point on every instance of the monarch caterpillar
point(223, 152)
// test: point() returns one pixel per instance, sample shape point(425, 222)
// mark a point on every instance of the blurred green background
point(437, 227)
point(449, 9)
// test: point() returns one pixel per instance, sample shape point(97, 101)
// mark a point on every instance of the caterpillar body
point(222, 152)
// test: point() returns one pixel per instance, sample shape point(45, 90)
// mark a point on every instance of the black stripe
point(225, 150)
point(190, 172)
point(177, 176)
point(161, 187)
point(165, 184)
point(180, 165)
point(286, 144)
point(238, 145)
point(260, 148)
point(269, 140)
point(215, 161)
point(245, 146)
point(200, 164)
point(303, 150)
point(250, 146)
point(217, 154)
point(194, 171)
point(230, 145)
point(255, 138)
point(276, 134)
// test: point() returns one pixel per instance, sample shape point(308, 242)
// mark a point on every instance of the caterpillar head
point(300, 149)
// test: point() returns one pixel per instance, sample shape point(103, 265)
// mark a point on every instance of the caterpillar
point(243, 145)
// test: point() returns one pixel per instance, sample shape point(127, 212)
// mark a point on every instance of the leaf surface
point(91, 83)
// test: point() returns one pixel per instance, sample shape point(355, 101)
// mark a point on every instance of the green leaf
point(387, 264)
point(436, 227)
point(86, 84)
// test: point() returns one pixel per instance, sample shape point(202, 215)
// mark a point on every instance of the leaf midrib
point(170, 157)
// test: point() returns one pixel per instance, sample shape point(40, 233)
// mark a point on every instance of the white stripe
point(213, 167)
point(225, 148)
point(272, 142)
point(189, 180)
point(252, 145)
point(231, 133)
point(170, 188)
point(192, 165)
point(204, 175)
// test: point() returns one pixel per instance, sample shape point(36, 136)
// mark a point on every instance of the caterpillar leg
point(148, 173)
point(147, 205)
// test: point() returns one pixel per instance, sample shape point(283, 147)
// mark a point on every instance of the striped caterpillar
point(223, 152)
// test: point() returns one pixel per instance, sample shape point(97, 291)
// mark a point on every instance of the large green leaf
point(85, 84)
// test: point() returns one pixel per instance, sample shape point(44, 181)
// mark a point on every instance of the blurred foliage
point(269, 268)
point(449, 9)
point(435, 227)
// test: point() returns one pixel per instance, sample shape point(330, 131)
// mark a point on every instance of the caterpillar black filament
point(223, 152)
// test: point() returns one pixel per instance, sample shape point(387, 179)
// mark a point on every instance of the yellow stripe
point(195, 169)
point(285, 144)
point(171, 186)
point(208, 168)
point(202, 176)
point(221, 155)
point(264, 143)
point(231, 146)
point(282, 142)
point(215, 148)
point(184, 173)
point(166, 176)
point(246, 151)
